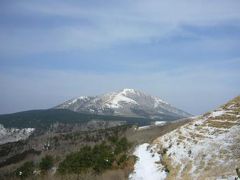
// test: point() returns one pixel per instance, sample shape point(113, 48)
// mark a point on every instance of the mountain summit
point(127, 102)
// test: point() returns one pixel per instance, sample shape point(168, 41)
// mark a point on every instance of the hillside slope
point(43, 119)
point(206, 148)
point(19, 126)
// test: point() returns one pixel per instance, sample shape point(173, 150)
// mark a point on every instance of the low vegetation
point(28, 168)
point(96, 153)
point(43, 119)
point(18, 157)
point(46, 163)
point(107, 155)
point(25, 170)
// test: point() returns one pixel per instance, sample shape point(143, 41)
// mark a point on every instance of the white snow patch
point(83, 97)
point(158, 101)
point(121, 97)
point(115, 99)
point(126, 91)
point(228, 178)
point(159, 123)
point(144, 127)
point(147, 166)
point(91, 110)
point(156, 123)
point(217, 113)
point(79, 98)
point(232, 106)
point(14, 134)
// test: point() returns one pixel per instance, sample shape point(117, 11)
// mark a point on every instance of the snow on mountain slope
point(206, 148)
point(13, 134)
point(115, 99)
point(127, 102)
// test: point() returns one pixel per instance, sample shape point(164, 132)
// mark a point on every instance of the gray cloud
point(111, 24)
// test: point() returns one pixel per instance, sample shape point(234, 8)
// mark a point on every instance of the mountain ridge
point(126, 102)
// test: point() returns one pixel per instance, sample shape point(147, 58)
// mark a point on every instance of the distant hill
point(126, 102)
point(44, 118)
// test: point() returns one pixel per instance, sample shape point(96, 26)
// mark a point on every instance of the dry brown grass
point(148, 135)
point(186, 171)
point(173, 171)
point(218, 124)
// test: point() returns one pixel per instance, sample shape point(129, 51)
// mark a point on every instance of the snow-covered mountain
point(127, 102)
point(208, 147)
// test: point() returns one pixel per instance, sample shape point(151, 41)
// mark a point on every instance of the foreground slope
point(206, 148)
point(127, 102)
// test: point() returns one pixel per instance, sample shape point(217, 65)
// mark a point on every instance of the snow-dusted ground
point(148, 166)
point(208, 147)
point(217, 113)
point(13, 134)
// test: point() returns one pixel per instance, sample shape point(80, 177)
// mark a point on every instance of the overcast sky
point(186, 52)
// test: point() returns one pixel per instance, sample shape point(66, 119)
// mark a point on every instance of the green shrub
point(25, 170)
point(103, 157)
point(77, 162)
point(121, 146)
point(122, 159)
point(46, 163)
point(98, 158)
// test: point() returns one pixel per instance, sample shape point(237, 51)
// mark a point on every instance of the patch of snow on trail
point(217, 113)
point(147, 166)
